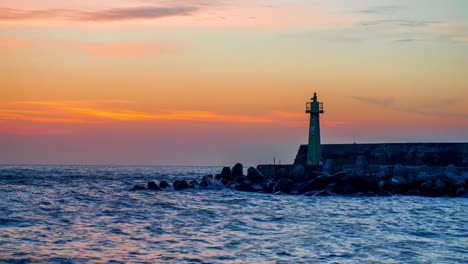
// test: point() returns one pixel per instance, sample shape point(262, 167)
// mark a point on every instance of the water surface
point(81, 214)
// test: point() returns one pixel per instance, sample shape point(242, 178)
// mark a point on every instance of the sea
point(87, 214)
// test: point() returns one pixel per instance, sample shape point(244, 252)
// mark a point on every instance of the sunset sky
point(195, 82)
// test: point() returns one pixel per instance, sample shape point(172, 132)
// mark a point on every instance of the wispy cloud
point(403, 23)
point(127, 49)
point(148, 12)
point(379, 10)
point(66, 115)
point(385, 102)
point(460, 39)
point(179, 13)
point(111, 49)
point(433, 113)
point(16, 43)
point(422, 110)
point(454, 31)
point(112, 14)
point(405, 29)
point(389, 16)
point(86, 111)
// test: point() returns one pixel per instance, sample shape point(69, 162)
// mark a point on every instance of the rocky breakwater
point(362, 180)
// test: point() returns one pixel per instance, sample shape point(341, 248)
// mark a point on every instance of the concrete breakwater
point(408, 154)
point(329, 179)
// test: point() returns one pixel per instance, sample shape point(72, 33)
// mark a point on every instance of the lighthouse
point(314, 151)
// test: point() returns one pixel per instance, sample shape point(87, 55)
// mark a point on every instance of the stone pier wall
point(408, 154)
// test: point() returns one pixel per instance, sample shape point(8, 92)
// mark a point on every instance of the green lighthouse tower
point(314, 151)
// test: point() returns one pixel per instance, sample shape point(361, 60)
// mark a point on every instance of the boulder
point(267, 170)
point(395, 186)
point(452, 169)
point(383, 192)
point(364, 183)
point(164, 185)
point(284, 185)
point(330, 188)
point(180, 185)
point(217, 177)
point(399, 173)
point(379, 176)
point(329, 167)
point(312, 172)
point(412, 192)
point(454, 179)
point(226, 174)
point(230, 185)
point(193, 184)
point(217, 185)
point(385, 172)
point(269, 186)
point(138, 187)
point(312, 193)
point(256, 187)
point(297, 173)
point(324, 193)
point(441, 186)
point(255, 175)
point(388, 184)
point(361, 165)
point(345, 182)
point(346, 188)
point(237, 170)
point(206, 181)
point(323, 181)
point(153, 186)
point(425, 188)
point(461, 192)
point(398, 181)
point(422, 174)
point(307, 187)
point(425, 168)
point(223, 181)
point(423, 177)
point(247, 186)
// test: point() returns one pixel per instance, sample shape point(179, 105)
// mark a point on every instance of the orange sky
point(194, 82)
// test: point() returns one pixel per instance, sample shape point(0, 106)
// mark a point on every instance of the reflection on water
point(81, 214)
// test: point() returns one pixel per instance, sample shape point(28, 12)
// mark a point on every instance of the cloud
point(402, 23)
point(456, 32)
point(336, 35)
point(461, 39)
point(288, 115)
point(71, 115)
point(182, 13)
point(149, 12)
point(126, 49)
point(17, 44)
point(388, 16)
point(433, 113)
point(112, 49)
point(406, 40)
point(390, 102)
point(404, 29)
point(336, 123)
point(386, 102)
point(84, 111)
point(112, 14)
point(379, 10)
